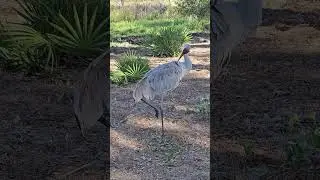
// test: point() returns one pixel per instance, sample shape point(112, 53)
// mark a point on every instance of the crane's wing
point(219, 26)
point(164, 77)
point(223, 21)
point(231, 24)
point(231, 17)
point(90, 96)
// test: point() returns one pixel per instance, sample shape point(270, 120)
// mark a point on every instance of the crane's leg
point(78, 122)
point(156, 110)
point(105, 118)
point(161, 113)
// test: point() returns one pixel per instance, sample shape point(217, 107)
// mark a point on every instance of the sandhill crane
point(162, 79)
point(231, 23)
point(90, 98)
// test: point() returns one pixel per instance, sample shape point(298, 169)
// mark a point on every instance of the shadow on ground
point(39, 135)
point(269, 82)
point(290, 18)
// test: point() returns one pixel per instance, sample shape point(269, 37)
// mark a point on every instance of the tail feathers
point(142, 90)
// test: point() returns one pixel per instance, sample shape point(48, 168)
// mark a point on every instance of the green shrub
point(199, 24)
point(168, 41)
point(83, 37)
point(17, 56)
point(130, 68)
point(26, 61)
point(28, 47)
point(197, 8)
point(133, 66)
point(38, 13)
point(118, 77)
point(50, 28)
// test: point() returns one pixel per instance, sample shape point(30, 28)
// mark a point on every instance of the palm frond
point(81, 37)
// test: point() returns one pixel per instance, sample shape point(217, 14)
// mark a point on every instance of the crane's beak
point(180, 56)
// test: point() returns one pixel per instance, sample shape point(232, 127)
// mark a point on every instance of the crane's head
point(186, 50)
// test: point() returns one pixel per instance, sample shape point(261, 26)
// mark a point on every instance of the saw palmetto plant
point(82, 37)
point(132, 66)
point(52, 30)
point(167, 41)
point(30, 39)
point(38, 13)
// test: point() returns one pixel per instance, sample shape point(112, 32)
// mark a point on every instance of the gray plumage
point(232, 22)
point(162, 79)
point(90, 98)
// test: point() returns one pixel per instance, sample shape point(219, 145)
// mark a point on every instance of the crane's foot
point(157, 114)
point(105, 122)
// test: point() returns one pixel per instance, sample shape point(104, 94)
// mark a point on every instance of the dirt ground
point(276, 73)
point(40, 138)
point(137, 150)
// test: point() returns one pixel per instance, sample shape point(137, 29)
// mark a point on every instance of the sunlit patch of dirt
point(120, 140)
point(117, 174)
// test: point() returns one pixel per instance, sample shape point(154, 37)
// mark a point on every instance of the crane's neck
point(187, 62)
